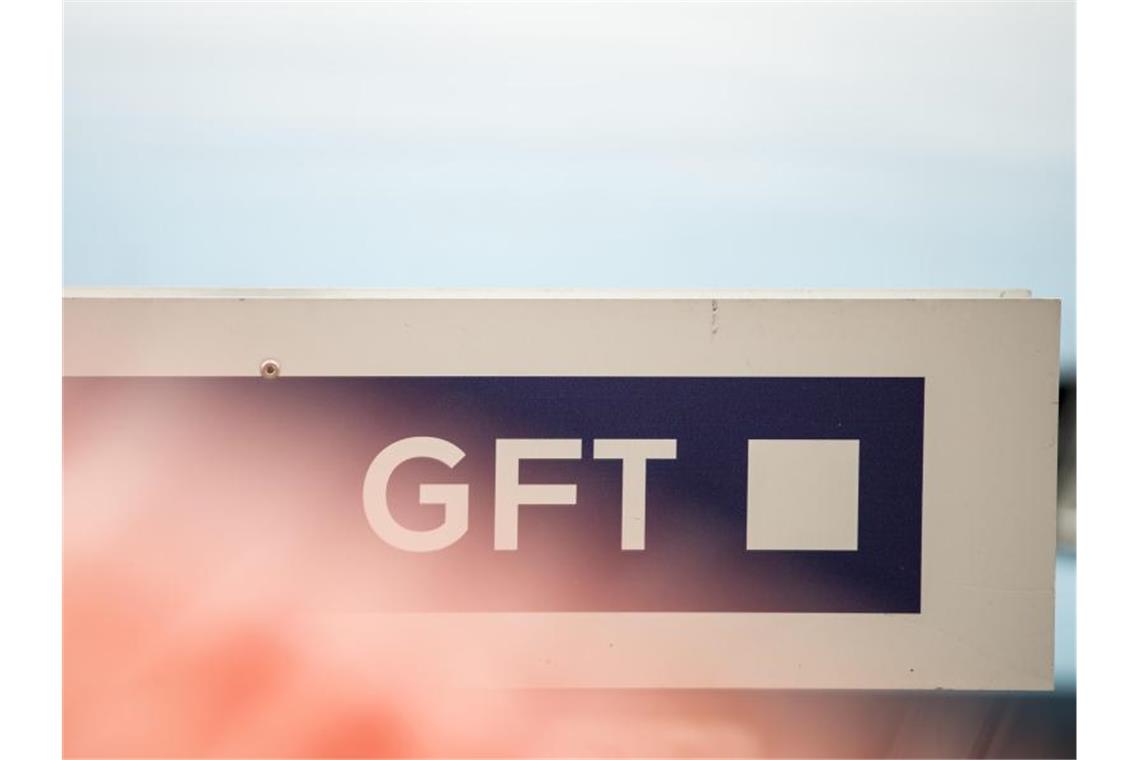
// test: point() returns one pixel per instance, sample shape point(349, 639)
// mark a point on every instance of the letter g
point(453, 496)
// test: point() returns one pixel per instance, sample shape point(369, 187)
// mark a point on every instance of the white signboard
point(700, 490)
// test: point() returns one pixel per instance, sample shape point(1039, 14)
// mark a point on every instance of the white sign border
point(990, 360)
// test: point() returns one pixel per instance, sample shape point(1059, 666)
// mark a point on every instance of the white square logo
point(803, 494)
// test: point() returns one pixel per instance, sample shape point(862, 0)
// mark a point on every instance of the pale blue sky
point(683, 145)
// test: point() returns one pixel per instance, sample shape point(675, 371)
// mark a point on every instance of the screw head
point(270, 369)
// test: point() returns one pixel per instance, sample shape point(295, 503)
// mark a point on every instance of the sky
point(766, 145)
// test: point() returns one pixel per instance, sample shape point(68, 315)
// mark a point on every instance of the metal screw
point(270, 369)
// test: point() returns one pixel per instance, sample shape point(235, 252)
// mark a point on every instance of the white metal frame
point(990, 359)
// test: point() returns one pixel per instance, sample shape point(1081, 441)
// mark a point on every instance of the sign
point(560, 489)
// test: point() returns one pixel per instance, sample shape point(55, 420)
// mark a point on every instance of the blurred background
point(765, 145)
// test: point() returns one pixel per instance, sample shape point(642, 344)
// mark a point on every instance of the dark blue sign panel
point(312, 441)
